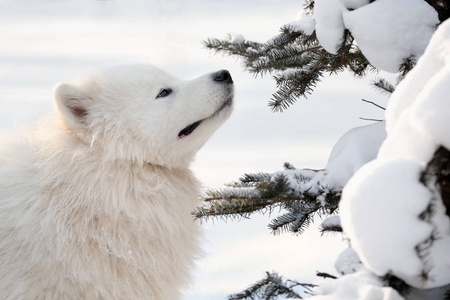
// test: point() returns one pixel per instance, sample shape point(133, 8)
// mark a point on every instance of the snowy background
point(45, 42)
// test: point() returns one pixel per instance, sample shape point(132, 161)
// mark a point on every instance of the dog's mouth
point(190, 128)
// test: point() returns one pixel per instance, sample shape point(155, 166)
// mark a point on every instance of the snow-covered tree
point(392, 190)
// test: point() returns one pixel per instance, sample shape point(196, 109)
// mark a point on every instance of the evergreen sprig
point(437, 179)
point(330, 228)
point(397, 284)
point(383, 85)
point(272, 287)
point(264, 192)
point(296, 61)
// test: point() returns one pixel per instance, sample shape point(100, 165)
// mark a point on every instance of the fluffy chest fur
point(76, 227)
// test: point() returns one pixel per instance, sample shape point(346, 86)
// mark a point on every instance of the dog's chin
point(224, 109)
point(227, 104)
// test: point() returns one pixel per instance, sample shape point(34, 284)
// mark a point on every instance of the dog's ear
point(72, 103)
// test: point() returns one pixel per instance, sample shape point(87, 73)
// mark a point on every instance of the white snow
point(332, 221)
point(432, 109)
point(330, 25)
point(381, 204)
point(303, 180)
point(355, 148)
point(389, 31)
point(353, 4)
point(357, 286)
point(237, 38)
point(348, 262)
point(406, 145)
point(304, 22)
point(379, 213)
point(386, 31)
point(426, 68)
point(289, 72)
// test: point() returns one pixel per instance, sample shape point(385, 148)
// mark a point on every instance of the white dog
point(96, 203)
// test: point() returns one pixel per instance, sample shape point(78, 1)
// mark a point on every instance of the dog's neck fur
point(126, 216)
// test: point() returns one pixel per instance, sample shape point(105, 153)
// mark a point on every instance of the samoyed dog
point(96, 202)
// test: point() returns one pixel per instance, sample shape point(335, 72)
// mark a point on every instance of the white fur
point(95, 203)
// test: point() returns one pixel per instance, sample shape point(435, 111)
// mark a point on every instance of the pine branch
point(288, 166)
point(234, 207)
point(397, 284)
point(383, 85)
point(442, 7)
point(272, 287)
point(295, 222)
point(331, 225)
point(348, 56)
point(296, 61)
point(309, 6)
point(297, 83)
point(406, 66)
point(297, 194)
point(325, 275)
point(436, 178)
point(331, 229)
point(285, 58)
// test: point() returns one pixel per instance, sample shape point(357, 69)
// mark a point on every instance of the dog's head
point(142, 114)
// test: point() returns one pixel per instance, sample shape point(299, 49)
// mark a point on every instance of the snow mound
point(354, 4)
point(382, 220)
point(333, 221)
point(382, 204)
point(386, 31)
point(355, 148)
point(236, 38)
point(348, 262)
point(431, 109)
point(360, 285)
point(304, 23)
point(304, 180)
point(389, 31)
point(330, 24)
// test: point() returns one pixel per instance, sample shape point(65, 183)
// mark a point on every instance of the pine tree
point(297, 62)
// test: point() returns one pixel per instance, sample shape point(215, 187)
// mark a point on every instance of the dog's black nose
point(223, 75)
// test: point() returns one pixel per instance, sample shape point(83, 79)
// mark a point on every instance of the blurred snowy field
point(46, 42)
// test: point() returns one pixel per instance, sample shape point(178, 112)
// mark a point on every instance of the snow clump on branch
point(383, 205)
point(388, 32)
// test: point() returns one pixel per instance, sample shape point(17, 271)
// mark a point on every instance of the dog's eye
point(164, 93)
